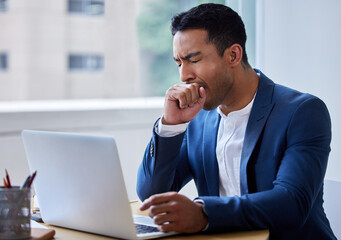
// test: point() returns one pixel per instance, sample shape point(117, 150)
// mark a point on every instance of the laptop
point(80, 185)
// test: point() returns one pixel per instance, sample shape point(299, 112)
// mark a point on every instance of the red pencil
point(31, 179)
point(8, 180)
point(5, 183)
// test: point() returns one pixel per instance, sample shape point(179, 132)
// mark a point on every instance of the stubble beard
point(219, 97)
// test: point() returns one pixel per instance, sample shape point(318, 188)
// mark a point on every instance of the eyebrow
point(188, 56)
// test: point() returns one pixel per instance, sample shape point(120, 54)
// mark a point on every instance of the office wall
point(301, 49)
point(130, 121)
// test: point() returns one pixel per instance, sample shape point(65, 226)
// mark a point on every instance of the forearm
point(164, 166)
point(273, 209)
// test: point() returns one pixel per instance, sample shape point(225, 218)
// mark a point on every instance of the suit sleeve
point(298, 181)
point(164, 167)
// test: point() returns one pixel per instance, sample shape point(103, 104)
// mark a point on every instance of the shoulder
point(284, 97)
point(288, 106)
point(304, 115)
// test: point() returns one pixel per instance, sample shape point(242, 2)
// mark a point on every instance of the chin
point(209, 106)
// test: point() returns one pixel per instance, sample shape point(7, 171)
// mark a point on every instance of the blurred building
point(68, 49)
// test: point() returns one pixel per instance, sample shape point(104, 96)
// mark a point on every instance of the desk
point(68, 234)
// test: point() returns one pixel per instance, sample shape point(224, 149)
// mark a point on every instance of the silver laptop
point(80, 185)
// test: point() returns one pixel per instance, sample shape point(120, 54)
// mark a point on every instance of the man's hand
point(175, 212)
point(182, 103)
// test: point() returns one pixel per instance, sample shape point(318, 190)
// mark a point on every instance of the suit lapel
point(209, 152)
point(259, 114)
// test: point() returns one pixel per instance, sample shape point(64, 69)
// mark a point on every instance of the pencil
point(8, 180)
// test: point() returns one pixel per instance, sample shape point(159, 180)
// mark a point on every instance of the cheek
point(208, 73)
point(215, 90)
point(215, 79)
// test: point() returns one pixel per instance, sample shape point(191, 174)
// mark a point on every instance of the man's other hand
point(174, 212)
point(182, 103)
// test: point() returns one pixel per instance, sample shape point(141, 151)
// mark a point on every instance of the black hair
point(223, 25)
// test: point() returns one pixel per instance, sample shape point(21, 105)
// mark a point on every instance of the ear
point(233, 55)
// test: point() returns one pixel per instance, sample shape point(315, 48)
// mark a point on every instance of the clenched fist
point(182, 103)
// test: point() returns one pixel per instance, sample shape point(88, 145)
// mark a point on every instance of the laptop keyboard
point(145, 229)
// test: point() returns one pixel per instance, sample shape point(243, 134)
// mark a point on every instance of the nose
point(186, 73)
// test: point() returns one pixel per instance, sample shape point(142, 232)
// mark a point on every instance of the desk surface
point(67, 234)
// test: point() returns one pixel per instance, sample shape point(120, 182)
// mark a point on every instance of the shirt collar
point(241, 112)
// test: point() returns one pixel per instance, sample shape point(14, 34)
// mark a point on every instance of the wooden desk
point(68, 234)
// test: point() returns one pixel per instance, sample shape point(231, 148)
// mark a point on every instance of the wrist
point(164, 121)
point(204, 218)
point(164, 130)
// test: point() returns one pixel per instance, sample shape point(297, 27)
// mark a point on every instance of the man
point(257, 151)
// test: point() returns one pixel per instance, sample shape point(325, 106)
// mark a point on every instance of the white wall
point(301, 49)
point(130, 121)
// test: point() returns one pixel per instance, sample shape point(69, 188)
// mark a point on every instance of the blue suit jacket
point(283, 163)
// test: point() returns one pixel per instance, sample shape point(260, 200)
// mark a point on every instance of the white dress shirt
point(230, 140)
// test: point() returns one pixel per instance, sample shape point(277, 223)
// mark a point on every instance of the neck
point(245, 84)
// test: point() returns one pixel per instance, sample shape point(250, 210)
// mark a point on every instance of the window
point(79, 62)
point(88, 7)
point(87, 44)
point(3, 61)
point(3, 5)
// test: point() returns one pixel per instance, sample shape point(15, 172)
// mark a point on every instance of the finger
point(164, 218)
point(202, 97)
point(168, 227)
point(183, 98)
point(194, 94)
point(176, 93)
point(185, 94)
point(157, 199)
point(160, 209)
point(147, 203)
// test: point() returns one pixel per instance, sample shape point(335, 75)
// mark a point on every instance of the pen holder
point(15, 213)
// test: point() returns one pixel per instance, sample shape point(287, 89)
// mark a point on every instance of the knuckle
point(152, 210)
point(187, 90)
point(193, 86)
point(152, 199)
point(169, 91)
point(150, 215)
point(167, 228)
point(173, 194)
point(163, 228)
point(172, 89)
point(175, 205)
point(157, 220)
point(182, 96)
